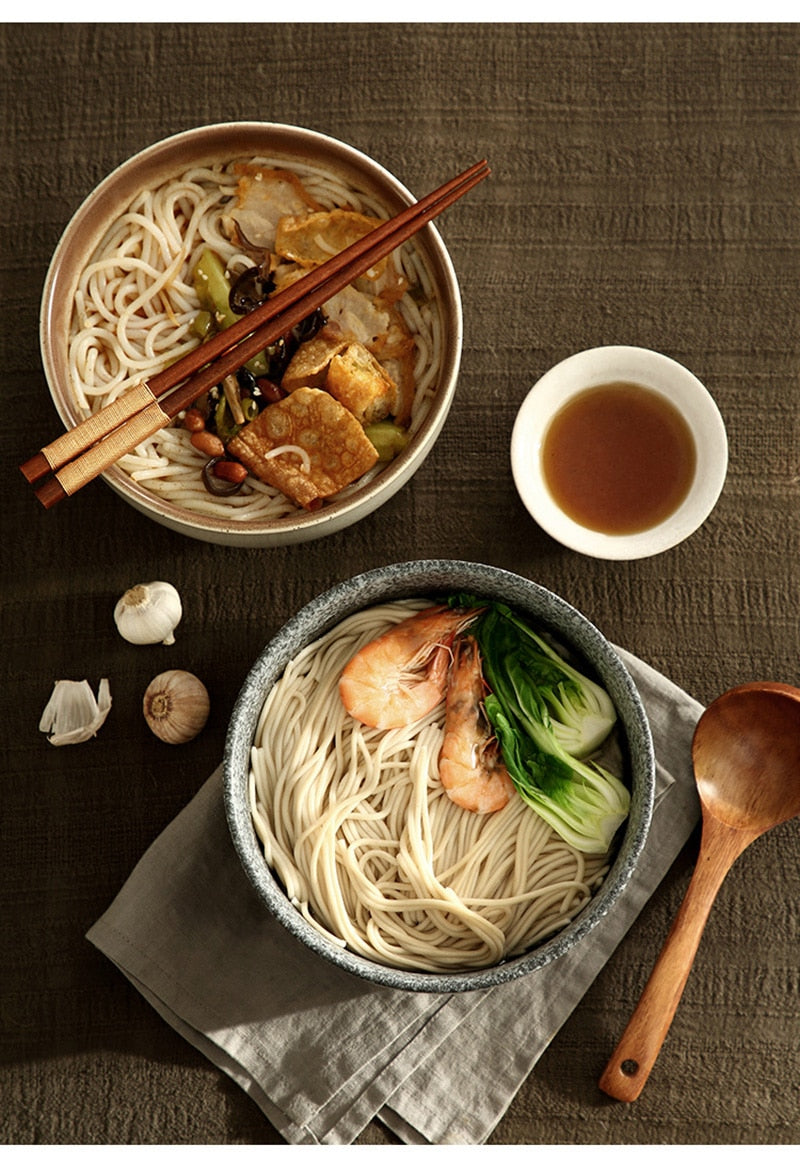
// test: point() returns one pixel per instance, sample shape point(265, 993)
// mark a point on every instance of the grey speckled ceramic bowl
point(429, 578)
point(222, 143)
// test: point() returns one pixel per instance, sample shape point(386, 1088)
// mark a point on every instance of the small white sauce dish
point(593, 368)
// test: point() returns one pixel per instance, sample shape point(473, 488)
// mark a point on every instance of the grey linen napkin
point(321, 1052)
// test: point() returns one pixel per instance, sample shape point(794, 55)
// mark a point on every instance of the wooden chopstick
point(85, 451)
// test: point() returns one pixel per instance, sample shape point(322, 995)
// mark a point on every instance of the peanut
point(208, 444)
point(193, 420)
point(230, 470)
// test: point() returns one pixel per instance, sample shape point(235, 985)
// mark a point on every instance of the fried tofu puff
point(357, 380)
point(309, 365)
point(350, 372)
point(308, 445)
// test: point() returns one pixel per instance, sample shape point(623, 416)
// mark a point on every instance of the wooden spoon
point(746, 754)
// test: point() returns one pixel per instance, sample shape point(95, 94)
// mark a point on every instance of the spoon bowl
point(746, 756)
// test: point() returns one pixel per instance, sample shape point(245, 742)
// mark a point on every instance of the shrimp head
point(401, 676)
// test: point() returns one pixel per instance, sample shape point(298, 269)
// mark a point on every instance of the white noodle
point(369, 847)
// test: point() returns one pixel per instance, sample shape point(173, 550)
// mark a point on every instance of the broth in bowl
point(618, 458)
point(619, 452)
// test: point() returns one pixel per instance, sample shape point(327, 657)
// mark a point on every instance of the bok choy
point(547, 717)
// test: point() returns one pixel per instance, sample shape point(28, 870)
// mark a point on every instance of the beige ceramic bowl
point(649, 369)
point(226, 142)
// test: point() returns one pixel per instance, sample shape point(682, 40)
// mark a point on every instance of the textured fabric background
point(645, 190)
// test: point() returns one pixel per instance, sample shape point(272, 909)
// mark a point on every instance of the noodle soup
point(322, 638)
point(99, 330)
point(371, 850)
point(137, 310)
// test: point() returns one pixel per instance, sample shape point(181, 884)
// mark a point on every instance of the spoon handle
point(629, 1066)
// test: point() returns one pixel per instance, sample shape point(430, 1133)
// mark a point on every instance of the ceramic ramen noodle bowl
point(257, 728)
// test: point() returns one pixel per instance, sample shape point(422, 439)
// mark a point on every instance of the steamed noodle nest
point(135, 304)
point(355, 823)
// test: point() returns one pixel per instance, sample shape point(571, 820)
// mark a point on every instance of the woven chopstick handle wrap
point(73, 476)
point(90, 430)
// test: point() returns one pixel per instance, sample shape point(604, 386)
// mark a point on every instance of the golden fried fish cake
point(311, 239)
point(325, 446)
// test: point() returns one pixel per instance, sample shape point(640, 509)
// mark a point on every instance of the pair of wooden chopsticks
point(87, 450)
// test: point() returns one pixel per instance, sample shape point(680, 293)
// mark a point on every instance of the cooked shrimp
point(401, 676)
point(470, 767)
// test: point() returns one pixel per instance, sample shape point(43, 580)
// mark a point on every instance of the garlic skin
point(176, 706)
point(73, 714)
point(147, 614)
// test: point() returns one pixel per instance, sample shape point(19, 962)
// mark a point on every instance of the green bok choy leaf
point(547, 717)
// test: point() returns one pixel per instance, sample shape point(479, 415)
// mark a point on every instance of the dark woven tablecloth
point(645, 190)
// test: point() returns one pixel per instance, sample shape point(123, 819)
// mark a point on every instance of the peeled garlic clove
point(147, 614)
point(73, 714)
point(176, 706)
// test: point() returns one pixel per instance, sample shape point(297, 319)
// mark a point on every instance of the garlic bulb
point(73, 714)
point(176, 706)
point(147, 614)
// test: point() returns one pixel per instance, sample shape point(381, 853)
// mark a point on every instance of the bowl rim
point(590, 368)
point(210, 141)
point(415, 578)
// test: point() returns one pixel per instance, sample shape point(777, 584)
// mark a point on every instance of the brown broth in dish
point(618, 458)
